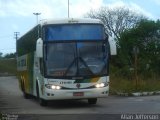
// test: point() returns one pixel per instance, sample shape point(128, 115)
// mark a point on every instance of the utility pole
point(37, 16)
point(37, 22)
point(16, 34)
point(68, 8)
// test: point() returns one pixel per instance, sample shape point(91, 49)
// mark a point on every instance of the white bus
point(65, 59)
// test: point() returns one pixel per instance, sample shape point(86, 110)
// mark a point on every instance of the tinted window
point(74, 32)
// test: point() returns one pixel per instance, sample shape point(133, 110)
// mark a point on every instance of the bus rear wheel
point(26, 96)
point(41, 101)
point(92, 101)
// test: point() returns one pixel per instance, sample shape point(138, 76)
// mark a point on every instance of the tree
point(145, 37)
point(10, 55)
point(116, 20)
point(1, 55)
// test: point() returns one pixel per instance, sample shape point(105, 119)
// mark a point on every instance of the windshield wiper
point(83, 62)
point(69, 67)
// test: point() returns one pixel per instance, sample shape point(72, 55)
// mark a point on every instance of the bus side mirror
point(113, 48)
point(39, 48)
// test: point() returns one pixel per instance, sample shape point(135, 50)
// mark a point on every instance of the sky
point(17, 15)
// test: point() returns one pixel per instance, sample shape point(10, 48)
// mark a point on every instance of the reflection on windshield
point(74, 32)
point(76, 59)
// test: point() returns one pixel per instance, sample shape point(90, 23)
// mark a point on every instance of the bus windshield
point(74, 59)
point(74, 32)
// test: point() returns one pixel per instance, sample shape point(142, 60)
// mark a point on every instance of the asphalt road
point(112, 107)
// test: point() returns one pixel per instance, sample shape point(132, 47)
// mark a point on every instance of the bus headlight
point(100, 85)
point(54, 87)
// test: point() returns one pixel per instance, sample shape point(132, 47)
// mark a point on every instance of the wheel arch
point(38, 89)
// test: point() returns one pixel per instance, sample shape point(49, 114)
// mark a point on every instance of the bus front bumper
point(50, 94)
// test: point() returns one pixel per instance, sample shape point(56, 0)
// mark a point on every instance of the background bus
point(64, 59)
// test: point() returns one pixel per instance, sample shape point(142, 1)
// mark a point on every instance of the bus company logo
point(78, 85)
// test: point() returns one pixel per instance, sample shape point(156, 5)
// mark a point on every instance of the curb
point(136, 94)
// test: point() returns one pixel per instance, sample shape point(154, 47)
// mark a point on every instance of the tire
point(92, 101)
point(22, 86)
point(41, 101)
point(26, 95)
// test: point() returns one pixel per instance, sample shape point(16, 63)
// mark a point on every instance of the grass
point(119, 84)
point(8, 66)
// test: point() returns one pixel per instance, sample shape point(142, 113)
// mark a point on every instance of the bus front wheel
point(40, 100)
point(92, 101)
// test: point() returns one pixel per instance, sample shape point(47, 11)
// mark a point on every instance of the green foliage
point(141, 45)
point(1, 55)
point(145, 37)
point(10, 55)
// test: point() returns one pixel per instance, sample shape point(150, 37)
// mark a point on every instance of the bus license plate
point(78, 94)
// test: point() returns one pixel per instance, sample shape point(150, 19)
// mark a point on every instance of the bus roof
point(65, 21)
point(70, 20)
